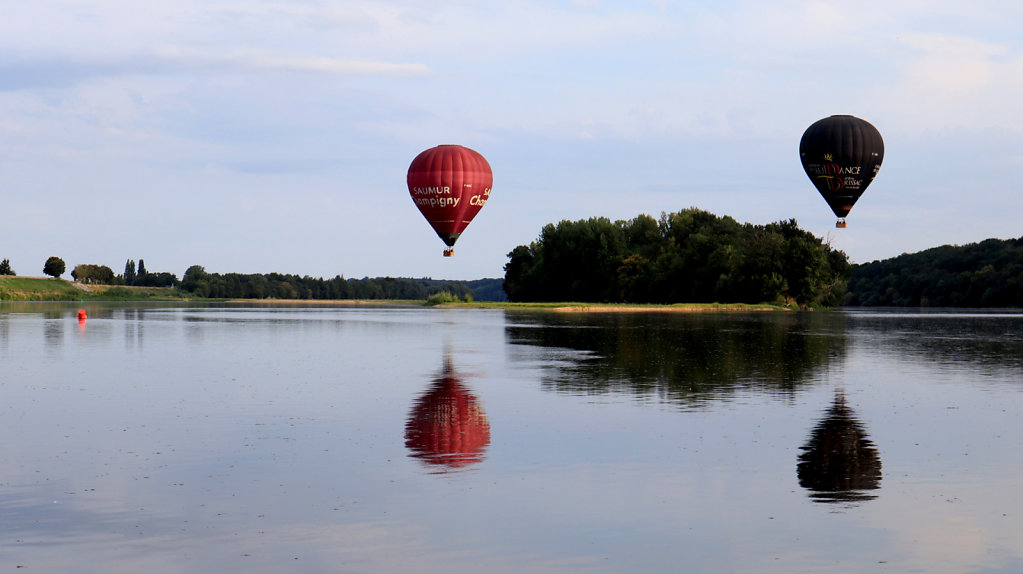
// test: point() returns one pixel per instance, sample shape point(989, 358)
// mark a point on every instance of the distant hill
point(482, 289)
point(985, 274)
point(488, 289)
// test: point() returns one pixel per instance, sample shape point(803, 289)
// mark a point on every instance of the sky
point(258, 136)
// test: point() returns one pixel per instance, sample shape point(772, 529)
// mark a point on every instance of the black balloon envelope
point(841, 155)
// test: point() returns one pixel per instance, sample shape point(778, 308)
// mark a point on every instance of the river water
point(171, 438)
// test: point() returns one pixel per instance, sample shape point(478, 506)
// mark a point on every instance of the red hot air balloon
point(449, 184)
point(841, 155)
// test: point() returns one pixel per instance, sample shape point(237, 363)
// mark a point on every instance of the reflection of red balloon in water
point(447, 425)
point(449, 184)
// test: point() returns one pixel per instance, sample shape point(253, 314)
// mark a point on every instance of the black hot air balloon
point(841, 155)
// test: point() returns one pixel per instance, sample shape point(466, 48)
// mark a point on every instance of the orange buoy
point(81, 314)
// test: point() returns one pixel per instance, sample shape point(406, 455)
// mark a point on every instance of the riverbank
point(47, 289)
point(18, 288)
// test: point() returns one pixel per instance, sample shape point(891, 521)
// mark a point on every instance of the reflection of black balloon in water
point(839, 463)
point(447, 426)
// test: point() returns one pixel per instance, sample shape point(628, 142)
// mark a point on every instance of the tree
point(142, 270)
point(5, 267)
point(195, 281)
point(129, 272)
point(54, 267)
point(89, 273)
point(519, 284)
point(157, 279)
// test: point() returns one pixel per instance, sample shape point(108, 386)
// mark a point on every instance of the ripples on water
point(237, 439)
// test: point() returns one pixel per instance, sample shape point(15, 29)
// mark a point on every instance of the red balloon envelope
point(449, 184)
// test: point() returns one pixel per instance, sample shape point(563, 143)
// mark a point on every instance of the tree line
point(200, 283)
point(688, 256)
point(133, 275)
point(101, 274)
point(985, 274)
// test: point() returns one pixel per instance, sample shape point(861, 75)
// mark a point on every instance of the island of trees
point(691, 256)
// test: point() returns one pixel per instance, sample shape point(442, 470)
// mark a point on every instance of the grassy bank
point(43, 289)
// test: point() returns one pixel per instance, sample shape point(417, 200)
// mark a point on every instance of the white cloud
point(179, 60)
point(950, 64)
point(952, 81)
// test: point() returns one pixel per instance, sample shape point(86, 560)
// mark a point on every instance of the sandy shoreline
point(328, 302)
point(548, 307)
point(661, 309)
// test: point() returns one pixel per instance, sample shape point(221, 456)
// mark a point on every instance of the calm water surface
point(364, 440)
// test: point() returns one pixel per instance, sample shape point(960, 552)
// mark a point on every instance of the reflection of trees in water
point(447, 427)
point(989, 341)
point(839, 463)
point(682, 357)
